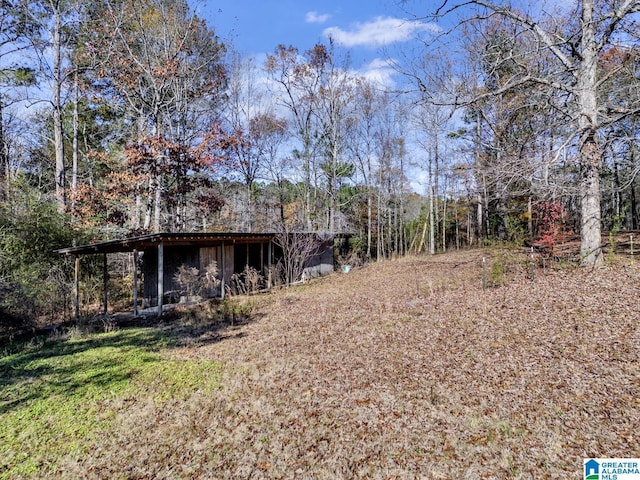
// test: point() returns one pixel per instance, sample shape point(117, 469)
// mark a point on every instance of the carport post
point(135, 282)
point(269, 279)
point(160, 277)
point(76, 287)
point(222, 272)
point(105, 282)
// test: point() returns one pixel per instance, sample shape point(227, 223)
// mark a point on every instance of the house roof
point(143, 242)
point(152, 240)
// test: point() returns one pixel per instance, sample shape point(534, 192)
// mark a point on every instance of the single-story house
point(162, 254)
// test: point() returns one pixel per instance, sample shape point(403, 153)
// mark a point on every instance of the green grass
point(56, 397)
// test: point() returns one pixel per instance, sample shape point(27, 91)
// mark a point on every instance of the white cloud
point(379, 72)
point(381, 31)
point(315, 17)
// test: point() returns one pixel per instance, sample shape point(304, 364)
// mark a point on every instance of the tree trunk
point(590, 246)
point(432, 223)
point(478, 161)
point(634, 208)
point(457, 225)
point(158, 206)
point(148, 208)
point(369, 221)
point(249, 211)
point(332, 198)
point(58, 138)
point(444, 219)
point(74, 166)
point(617, 193)
point(632, 193)
point(4, 153)
point(530, 219)
point(282, 199)
point(136, 212)
point(590, 157)
point(480, 217)
point(307, 186)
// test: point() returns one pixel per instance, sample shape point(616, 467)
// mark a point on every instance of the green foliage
point(497, 272)
point(21, 76)
point(336, 170)
point(32, 235)
point(516, 229)
point(34, 279)
point(232, 310)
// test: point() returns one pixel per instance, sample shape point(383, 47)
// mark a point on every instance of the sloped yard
point(403, 369)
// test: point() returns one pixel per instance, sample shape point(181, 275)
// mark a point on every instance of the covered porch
point(158, 257)
point(162, 254)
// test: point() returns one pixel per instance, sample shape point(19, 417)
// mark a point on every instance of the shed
point(162, 254)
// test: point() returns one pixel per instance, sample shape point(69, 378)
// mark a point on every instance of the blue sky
point(256, 27)
point(259, 26)
point(371, 31)
point(364, 28)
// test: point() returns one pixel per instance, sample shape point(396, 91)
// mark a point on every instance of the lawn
point(61, 396)
point(402, 369)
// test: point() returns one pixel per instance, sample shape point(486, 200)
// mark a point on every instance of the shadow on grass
point(84, 359)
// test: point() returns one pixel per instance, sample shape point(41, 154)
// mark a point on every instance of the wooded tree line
point(121, 117)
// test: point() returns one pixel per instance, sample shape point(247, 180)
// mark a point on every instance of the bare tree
point(52, 38)
point(432, 119)
point(16, 31)
point(336, 99)
point(297, 83)
point(269, 133)
point(362, 148)
point(573, 49)
point(391, 179)
point(161, 64)
point(244, 105)
point(297, 249)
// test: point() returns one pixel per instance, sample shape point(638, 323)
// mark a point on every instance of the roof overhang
point(145, 242)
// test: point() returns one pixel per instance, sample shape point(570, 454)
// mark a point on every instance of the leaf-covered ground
point(404, 369)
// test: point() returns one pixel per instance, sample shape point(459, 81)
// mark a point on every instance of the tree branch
point(542, 34)
point(627, 7)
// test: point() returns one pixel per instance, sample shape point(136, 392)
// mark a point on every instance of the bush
point(15, 310)
point(551, 224)
point(34, 279)
point(193, 282)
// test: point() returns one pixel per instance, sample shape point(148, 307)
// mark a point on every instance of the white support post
point(222, 273)
point(160, 277)
point(105, 283)
point(76, 288)
point(135, 283)
point(269, 279)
